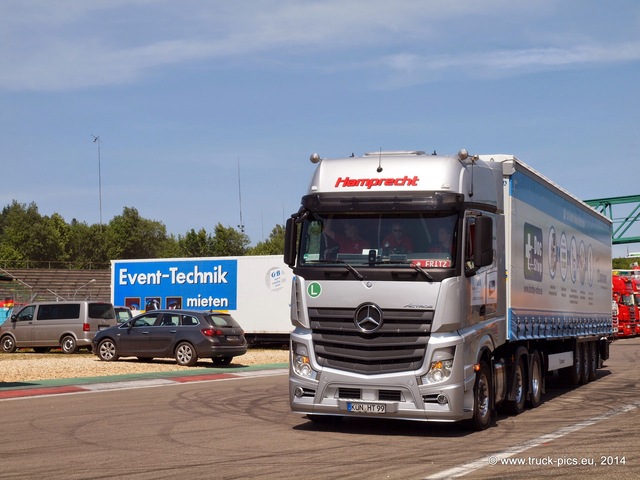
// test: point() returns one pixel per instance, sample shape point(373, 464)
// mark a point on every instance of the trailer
point(442, 288)
point(254, 289)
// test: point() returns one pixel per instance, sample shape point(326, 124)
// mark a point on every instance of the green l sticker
point(314, 290)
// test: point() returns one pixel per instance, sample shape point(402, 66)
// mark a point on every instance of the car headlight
point(300, 361)
point(439, 371)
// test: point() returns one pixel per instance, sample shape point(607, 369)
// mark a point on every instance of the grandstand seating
point(47, 284)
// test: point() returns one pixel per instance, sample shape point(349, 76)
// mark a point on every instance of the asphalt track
point(11, 390)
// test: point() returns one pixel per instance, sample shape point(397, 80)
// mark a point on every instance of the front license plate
point(366, 407)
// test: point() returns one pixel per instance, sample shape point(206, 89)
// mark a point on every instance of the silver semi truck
point(441, 288)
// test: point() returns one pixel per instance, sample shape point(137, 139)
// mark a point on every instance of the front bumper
point(335, 394)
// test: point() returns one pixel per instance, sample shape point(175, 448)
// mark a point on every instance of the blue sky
point(183, 95)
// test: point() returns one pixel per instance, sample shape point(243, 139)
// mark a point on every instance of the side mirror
point(483, 251)
point(290, 239)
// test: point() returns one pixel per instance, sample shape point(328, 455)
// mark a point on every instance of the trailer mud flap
point(604, 348)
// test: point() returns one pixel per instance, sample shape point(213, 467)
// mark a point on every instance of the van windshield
point(101, 310)
point(428, 241)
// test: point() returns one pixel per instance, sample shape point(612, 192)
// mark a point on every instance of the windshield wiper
point(348, 266)
point(418, 268)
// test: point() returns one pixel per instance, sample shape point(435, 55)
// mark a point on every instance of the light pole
point(96, 139)
point(82, 286)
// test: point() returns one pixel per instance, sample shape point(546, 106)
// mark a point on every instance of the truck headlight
point(300, 361)
point(439, 372)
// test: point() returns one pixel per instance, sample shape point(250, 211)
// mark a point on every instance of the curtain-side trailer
point(440, 288)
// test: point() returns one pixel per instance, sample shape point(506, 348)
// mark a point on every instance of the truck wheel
point(482, 399)
point(516, 406)
point(594, 360)
point(537, 380)
point(571, 375)
point(8, 344)
point(584, 370)
point(69, 345)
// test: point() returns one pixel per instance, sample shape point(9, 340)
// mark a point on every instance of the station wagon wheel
point(8, 344)
point(186, 355)
point(107, 350)
point(221, 361)
point(69, 345)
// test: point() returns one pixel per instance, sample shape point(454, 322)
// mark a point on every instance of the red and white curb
point(130, 384)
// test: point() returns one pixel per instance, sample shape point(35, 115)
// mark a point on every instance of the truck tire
point(516, 406)
point(482, 399)
point(584, 366)
point(571, 375)
point(594, 360)
point(536, 383)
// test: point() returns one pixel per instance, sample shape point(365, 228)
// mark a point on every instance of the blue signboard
point(190, 284)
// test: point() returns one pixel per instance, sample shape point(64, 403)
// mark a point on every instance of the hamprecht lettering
point(377, 182)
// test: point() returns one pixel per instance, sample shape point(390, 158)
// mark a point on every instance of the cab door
point(22, 327)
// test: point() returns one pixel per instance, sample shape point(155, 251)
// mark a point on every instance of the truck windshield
point(416, 239)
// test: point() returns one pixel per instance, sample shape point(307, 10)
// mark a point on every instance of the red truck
point(624, 296)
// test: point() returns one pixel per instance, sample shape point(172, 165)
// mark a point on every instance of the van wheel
point(186, 355)
point(8, 344)
point(69, 344)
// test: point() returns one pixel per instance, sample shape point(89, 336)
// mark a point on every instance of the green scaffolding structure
point(629, 206)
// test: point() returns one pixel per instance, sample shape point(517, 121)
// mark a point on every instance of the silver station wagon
point(182, 334)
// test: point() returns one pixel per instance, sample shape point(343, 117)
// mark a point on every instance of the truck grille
point(398, 346)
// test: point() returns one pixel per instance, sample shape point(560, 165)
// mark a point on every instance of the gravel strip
point(24, 366)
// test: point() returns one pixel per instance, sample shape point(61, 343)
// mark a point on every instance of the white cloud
point(60, 45)
point(410, 69)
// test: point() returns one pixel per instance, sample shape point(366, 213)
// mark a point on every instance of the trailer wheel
point(571, 375)
point(586, 361)
point(482, 399)
point(536, 385)
point(594, 360)
point(516, 406)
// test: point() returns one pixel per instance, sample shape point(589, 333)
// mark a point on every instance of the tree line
point(31, 240)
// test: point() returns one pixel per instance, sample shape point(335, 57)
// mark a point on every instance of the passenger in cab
point(397, 241)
